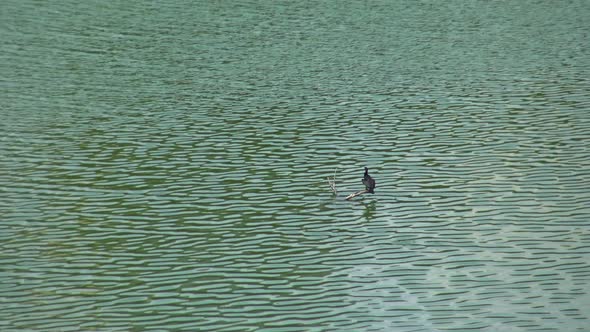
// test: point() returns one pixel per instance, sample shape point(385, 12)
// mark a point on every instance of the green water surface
point(163, 165)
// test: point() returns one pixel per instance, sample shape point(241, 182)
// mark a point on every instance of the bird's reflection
point(369, 212)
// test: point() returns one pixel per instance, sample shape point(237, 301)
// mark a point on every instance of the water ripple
point(165, 167)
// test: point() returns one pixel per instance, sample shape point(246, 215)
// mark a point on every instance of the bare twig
point(358, 193)
point(332, 183)
point(332, 186)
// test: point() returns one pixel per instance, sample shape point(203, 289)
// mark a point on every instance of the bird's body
point(368, 182)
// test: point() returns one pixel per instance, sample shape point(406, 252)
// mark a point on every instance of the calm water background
point(163, 165)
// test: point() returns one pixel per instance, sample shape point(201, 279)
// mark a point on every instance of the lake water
point(163, 165)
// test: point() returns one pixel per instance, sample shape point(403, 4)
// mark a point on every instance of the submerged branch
point(358, 193)
point(332, 183)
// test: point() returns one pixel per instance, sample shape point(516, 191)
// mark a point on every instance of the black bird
point(368, 182)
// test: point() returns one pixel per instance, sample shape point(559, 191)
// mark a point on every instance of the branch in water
point(332, 183)
point(358, 193)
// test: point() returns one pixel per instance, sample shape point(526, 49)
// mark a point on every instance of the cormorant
point(368, 182)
